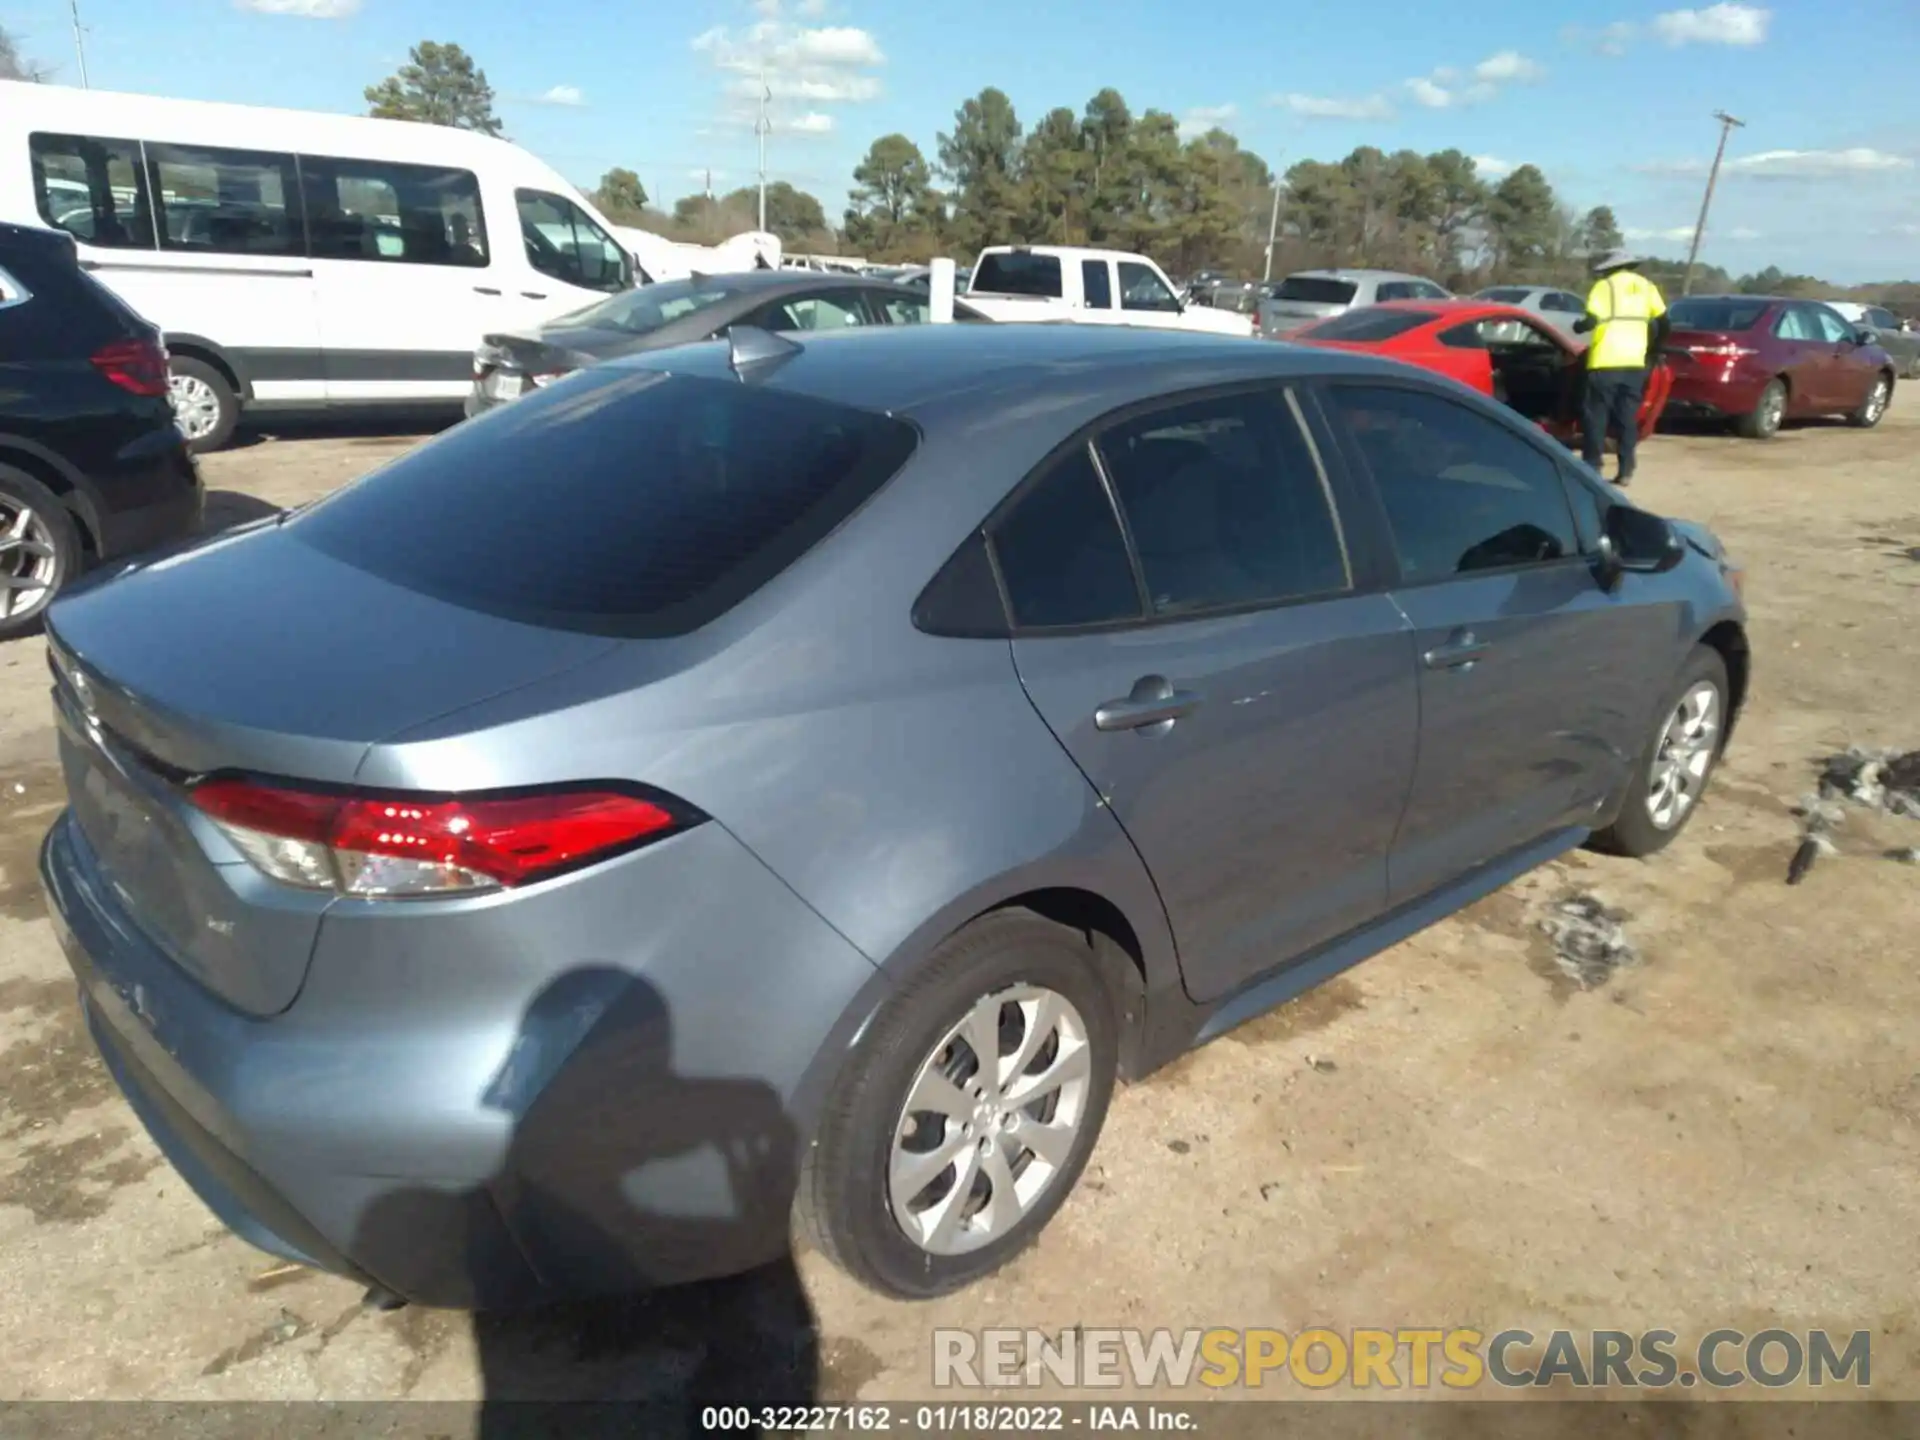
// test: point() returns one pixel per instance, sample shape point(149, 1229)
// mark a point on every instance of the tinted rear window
point(1506, 294)
point(1367, 324)
point(622, 502)
point(641, 311)
point(1315, 290)
point(1716, 314)
point(1012, 273)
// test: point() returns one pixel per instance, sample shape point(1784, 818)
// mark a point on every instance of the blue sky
point(1615, 106)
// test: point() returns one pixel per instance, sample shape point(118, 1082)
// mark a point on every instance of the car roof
point(1342, 273)
point(1756, 299)
point(938, 374)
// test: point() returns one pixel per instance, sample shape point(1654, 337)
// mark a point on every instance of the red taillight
point(136, 365)
point(426, 845)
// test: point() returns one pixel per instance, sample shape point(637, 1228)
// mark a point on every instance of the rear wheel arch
point(52, 473)
point(198, 347)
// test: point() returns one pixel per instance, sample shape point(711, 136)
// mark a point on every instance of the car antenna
point(751, 349)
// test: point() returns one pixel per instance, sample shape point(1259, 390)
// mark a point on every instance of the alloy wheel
point(1687, 748)
point(196, 409)
point(990, 1121)
point(1877, 400)
point(1775, 408)
point(29, 563)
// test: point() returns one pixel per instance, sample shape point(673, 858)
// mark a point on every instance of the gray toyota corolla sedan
point(770, 777)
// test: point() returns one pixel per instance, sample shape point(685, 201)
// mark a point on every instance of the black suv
point(92, 466)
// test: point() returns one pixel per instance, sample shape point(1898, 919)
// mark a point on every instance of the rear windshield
point(618, 501)
point(1716, 314)
point(1013, 273)
point(1505, 294)
point(1316, 290)
point(646, 309)
point(1367, 323)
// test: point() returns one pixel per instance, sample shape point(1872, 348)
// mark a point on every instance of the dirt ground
point(1455, 1133)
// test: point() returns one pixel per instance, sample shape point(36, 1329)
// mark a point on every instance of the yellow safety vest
point(1623, 306)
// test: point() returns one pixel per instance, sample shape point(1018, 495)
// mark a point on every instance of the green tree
point(1600, 232)
point(792, 214)
point(981, 157)
point(894, 205)
point(13, 66)
point(620, 195)
point(1055, 172)
point(1522, 218)
point(440, 85)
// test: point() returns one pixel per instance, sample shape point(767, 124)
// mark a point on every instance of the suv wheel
point(969, 1113)
point(39, 550)
point(1677, 763)
point(204, 405)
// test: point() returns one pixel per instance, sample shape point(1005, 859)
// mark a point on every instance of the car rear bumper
point(535, 1126)
point(1717, 393)
point(151, 496)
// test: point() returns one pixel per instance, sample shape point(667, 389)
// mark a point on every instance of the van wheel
point(1674, 769)
point(204, 405)
point(969, 1113)
point(39, 550)
point(1875, 405)
point(1763, 421)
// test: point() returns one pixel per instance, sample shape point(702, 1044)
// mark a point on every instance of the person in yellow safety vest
point(1627, 317)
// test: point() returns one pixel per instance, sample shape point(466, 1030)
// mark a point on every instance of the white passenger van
point(296, 259)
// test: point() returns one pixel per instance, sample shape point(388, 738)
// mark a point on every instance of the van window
point(93, 189)
point(226, 202)
point(377, 210)
point(563, 241)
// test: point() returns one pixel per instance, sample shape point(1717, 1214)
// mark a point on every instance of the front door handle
point(485, 290)
point(1153, 702)
point(1460, 652)
point(533, 294)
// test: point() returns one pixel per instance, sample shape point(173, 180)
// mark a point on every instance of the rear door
point(1535, 684)
point(1096, 285)
point(1231, 683)
point(1804, 353)
point(406, 284)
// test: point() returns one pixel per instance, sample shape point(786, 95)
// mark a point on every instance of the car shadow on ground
point(601, 1125)
point(229, 509)
point(378, 427)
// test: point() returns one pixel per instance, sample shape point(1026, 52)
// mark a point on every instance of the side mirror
point(1866, 336)
point(1583, 325)
point(1640, 541)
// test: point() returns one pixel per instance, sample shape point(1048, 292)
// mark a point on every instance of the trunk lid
point(179, 669)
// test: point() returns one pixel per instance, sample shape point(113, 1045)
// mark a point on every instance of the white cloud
point(1607, 40)
point(303, 9)
point(1430, 94)
point(1793, 164)
point(805, 65)
point(1508, 67)
point(1741, 232)
point(561, 95)
point(1722, 24)
point(1685, 232)
point(1319, 107)
point(1202, 118)
point(1493, 166)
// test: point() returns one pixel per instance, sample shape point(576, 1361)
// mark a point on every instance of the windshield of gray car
point(641, 311)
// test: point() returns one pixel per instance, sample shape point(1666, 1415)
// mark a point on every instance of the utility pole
point(79, 44)
point(1727, 125)
point(1273, 225)
point(760, 128)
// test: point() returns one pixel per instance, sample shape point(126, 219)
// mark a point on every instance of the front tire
point(1679, 760)
point(1874, 406)
point(204, 405)
point(968, 1114)
point(39, 550)
point(1763, 421)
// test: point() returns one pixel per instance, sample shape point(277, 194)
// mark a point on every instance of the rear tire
point(1763, 421)
point(39, 550)
point(854, 1187)
point(1680, 752)
point(1874, 406)
point(204, 404)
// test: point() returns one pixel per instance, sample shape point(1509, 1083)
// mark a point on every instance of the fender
point(73, 487)
point(186, 340)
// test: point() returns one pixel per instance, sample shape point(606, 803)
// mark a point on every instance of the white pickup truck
point(1087, 287)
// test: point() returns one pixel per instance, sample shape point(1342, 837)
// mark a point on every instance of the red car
point(1758, 361)
point(1499, 350)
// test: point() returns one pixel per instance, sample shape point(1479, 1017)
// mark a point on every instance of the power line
point(1727, 126)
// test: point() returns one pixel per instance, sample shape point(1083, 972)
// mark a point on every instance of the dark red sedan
point(1759, 361)
point(1499, 350)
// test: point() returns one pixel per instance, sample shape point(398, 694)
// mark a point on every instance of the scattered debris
point(1588, 941)
point(1267, 1190)
point(1179, 1147)
point(1883, 780)
point(1906, 855)
point(1322, 1064)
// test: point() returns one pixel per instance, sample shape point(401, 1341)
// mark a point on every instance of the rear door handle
point(485, 290)
point(533, 294)
point(1153, 701)
point(1459, 653)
